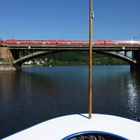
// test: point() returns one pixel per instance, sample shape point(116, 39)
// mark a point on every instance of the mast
point(90, 56)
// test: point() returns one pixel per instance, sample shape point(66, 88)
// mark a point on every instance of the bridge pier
point(6, 59)
point(136, 66)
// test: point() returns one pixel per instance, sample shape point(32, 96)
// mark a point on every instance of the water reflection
point(40, 93)
point(8, 86)
point(132, 96)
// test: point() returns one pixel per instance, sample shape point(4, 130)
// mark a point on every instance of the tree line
point(80, 58)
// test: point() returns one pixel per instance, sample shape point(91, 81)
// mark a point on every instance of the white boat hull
point(62, 127)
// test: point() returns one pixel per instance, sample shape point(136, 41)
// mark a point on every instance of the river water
point(37, 94)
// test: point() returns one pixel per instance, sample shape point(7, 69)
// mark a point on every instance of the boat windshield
point(94, 136)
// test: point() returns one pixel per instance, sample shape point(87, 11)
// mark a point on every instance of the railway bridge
point(10, 50)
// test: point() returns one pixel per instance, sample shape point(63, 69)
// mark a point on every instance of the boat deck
point(67, 127)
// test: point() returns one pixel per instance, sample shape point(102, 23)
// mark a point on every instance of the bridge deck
point(72, 47)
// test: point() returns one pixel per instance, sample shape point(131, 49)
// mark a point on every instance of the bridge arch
point(42, 53)
point(120, 56)
point(31, 56)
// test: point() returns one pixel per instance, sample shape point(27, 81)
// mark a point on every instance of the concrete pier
point(134, 67)
point(136, 56)
point(6, 59)
point(6, 67)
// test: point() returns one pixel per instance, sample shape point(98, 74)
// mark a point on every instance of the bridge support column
point(6, 59)
point(136, 66)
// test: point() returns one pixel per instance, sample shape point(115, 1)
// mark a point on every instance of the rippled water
point(37, 94)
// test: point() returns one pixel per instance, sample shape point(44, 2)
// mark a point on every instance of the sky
point(68, 19)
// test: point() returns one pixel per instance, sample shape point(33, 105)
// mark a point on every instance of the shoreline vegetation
point(75, 58)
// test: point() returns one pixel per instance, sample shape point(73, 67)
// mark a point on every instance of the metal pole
point(90, 56)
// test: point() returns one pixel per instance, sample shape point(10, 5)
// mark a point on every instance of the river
point(37, 94)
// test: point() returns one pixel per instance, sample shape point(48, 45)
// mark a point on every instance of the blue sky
point(68, 19)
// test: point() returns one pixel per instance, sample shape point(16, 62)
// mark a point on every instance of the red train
point(69, 42)
point(116, 43)
point(43, 42)
point(29, 42)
